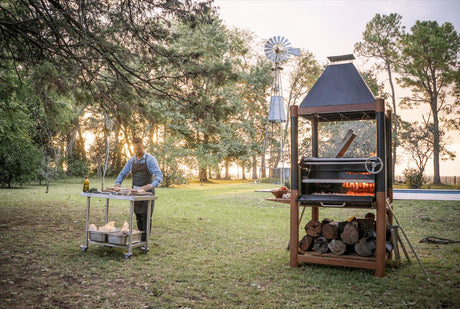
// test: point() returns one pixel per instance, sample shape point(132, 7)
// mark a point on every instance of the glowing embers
point(359, 188)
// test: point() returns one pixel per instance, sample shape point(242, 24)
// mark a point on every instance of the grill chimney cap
point(347, 57)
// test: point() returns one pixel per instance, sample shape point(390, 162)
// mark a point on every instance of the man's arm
point(154, 169)
point(124, 172)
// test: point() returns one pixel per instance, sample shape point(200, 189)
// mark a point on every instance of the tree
point(105, 57)
point(418, 144)
point(19, 156)
point(380, 42)
point(430, 68)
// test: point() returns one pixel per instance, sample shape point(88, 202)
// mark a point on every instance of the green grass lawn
point(212, 246)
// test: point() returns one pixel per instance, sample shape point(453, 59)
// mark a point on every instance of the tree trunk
point(436, 148)
point(203, 175)
point(242, 172)
point(263, 170)
point(254, 167)
point(395, 118)
point(227, 164)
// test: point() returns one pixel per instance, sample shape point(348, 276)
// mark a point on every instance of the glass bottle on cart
point(86, 184)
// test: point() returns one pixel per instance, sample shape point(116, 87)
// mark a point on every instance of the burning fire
point(359, 188)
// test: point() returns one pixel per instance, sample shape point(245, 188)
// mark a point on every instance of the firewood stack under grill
point(353, 236)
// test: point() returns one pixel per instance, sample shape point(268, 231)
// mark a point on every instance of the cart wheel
point(145, 250)
point(83, 248)
point(127, 255)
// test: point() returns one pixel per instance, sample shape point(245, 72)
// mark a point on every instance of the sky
point(332, 27)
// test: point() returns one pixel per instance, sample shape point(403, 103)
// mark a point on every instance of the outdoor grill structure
point(340, 94)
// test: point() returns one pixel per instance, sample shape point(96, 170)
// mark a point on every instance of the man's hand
point(117, 185)
point(147, 187)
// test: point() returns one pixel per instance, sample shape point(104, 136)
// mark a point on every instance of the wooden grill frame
point(383, 187)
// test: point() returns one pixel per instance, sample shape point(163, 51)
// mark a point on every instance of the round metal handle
point(372, 166)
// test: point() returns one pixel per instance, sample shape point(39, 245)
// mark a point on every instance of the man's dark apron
point(141, 177)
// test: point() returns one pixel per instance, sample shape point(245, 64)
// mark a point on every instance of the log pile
point(350, 236)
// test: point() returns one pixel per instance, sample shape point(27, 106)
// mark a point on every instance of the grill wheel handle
point(372, 166)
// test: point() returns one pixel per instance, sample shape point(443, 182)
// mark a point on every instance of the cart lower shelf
point(107, 244)
point(346, 260)
point(142, 244)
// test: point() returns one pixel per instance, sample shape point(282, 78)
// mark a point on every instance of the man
point(146, 175)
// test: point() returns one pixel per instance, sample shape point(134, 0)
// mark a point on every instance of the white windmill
point(278, 49)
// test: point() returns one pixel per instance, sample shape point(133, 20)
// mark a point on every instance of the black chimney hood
point(340, 93)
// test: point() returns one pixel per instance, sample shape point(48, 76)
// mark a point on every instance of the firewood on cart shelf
point(363, 248)
point(337, 246)
point(350, 234)
point(320, 244)
point(330, 230)
point(313, 228)
point(306, 243)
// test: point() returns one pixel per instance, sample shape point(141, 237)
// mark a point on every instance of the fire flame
point(359, 188)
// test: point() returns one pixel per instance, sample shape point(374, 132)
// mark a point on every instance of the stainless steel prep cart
point(132, 199)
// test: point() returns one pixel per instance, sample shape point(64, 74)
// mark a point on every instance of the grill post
point(390, 166)
point(380, 187)
point(294, 208)
point(314, 154)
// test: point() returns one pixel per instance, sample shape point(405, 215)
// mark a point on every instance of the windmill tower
point(278, 49)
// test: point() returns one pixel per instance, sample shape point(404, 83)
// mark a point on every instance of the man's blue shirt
point(152, 165)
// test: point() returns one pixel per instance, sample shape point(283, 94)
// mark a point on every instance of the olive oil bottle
point(86, 184)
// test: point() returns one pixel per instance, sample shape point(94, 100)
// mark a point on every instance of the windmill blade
point(284, 56)
point(270, 42)
point(271, 56)
point(293, 51)
point(282, 40)
point(268, 51)
point(285, 42)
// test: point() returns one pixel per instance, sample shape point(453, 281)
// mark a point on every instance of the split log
point(370, 215)
point(306, 243)
point(366, 227)
point(362, 248)
point(350, 234)
point(313, 228)
point(320, 244)
point(330, 230)
point(337, 246)
point(346, 142)
point(341, 226)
